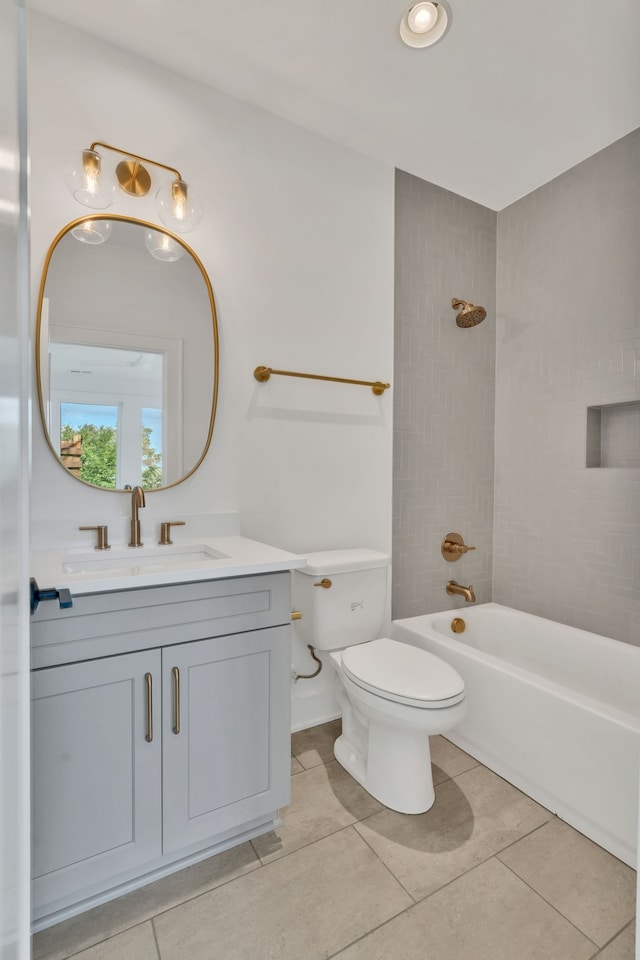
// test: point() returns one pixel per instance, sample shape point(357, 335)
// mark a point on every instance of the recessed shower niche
point(613, 435)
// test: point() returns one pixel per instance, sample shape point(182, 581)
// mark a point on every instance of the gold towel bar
point(262, 374)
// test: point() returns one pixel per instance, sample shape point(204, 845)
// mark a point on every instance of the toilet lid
point(398, 671)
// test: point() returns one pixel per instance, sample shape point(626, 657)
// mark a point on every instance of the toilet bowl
point(392, 696)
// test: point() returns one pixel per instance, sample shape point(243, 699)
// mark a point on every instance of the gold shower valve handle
point(325, 582)
point(453, 547)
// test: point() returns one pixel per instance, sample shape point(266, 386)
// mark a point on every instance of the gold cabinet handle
point(149, 684)
point(176, 699)
point(296, 615)
point(325, 582)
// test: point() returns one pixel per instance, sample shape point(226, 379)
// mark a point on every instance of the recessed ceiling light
point(424, 24)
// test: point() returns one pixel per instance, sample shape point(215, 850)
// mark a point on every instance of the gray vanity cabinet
point(96, 779)
point(222, 751)
point(143, 760)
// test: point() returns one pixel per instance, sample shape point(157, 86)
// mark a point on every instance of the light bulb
point(163, 247)
point(178, 206)
point(92, 231)
point(85, 181)
point(424, 24)
point(422, 17)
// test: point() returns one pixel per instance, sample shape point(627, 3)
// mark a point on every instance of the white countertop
point(84, 571)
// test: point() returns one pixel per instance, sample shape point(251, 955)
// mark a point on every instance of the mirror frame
point(38, 366)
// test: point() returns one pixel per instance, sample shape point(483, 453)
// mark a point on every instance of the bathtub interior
point(598, 667)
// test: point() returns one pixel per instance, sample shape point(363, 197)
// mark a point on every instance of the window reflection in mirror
point(127, 359)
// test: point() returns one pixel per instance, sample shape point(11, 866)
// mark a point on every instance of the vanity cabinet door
point(96, 775)
point(226, 734)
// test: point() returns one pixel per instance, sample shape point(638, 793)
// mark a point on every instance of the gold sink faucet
point(137, 501)
point(454, 589)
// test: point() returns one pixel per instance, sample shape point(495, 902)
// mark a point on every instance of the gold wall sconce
point(176, 202)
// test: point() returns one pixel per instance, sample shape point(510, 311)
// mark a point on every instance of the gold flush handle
point(453, 547)
point(325, 582)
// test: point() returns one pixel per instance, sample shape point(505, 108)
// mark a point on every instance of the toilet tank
point(349, 611)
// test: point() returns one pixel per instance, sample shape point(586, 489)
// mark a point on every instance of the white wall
point(297, 238)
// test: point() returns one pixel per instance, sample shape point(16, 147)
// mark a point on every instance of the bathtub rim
point(599, 707)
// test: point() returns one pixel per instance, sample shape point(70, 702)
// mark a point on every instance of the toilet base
point(404, 781)
point(385, 745)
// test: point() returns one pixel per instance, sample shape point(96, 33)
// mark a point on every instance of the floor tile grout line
point(155, 937)
point(345, 826)
point(152, 917)
point(447, 883)
point(609, 942)
point(512, 843)
point(260, 866)
point(386, 866)
point(554, 908)
point(417, 903)
point(202, 893)
point(141, 923)
point(504, 780)
point(495, 853)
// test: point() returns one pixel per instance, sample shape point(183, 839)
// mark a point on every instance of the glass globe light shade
point(178, 206)
point(92, 231)
point(87, 184)
point(163, 247)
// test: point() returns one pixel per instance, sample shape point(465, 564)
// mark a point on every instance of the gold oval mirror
point(126, 354)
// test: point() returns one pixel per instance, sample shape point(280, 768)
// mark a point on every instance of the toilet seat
point(397, 671)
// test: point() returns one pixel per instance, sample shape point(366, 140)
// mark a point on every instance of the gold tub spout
point(454, 589)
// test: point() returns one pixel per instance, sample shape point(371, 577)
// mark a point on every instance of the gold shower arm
point(262, 374)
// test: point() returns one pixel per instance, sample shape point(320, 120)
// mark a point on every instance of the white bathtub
point(552, 709)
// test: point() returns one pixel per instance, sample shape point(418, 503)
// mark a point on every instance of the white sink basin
point(136, 560)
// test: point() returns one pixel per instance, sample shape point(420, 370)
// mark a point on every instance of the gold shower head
point(470, 315)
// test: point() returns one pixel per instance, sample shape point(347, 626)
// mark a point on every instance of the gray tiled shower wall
point(444, 382)
point(565, 337)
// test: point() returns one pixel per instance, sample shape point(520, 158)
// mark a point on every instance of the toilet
point(392, 696)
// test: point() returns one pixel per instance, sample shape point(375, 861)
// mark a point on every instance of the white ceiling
point(516, 93)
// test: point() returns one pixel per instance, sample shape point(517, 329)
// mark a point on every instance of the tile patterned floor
point(486, 874)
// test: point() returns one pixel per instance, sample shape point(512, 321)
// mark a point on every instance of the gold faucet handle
point(165, 531)
point(453, 547)
point(102, 541)
point(460, 547)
